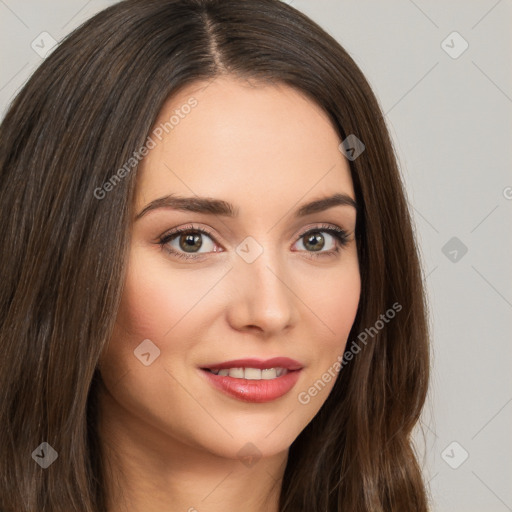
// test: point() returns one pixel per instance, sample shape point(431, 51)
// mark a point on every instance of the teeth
point(251, 373)
point(237, 373)
point(271, 373)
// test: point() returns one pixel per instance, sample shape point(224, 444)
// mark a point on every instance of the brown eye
point(314, 241)
point(187, 242)
point(328, 237)
point(190, 242)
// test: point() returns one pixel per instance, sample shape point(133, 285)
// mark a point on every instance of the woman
point(211, 293)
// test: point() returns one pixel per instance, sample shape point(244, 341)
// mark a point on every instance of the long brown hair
point(80, 117)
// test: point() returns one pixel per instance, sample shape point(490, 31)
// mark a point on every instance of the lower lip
point(257, 391)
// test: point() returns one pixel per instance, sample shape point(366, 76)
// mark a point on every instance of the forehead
point(246, 143)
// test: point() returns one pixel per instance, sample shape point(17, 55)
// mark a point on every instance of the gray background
point(450, 121)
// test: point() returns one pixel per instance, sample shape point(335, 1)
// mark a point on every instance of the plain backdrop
point(442, 73)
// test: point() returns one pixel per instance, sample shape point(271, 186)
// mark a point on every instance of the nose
point(262, 298)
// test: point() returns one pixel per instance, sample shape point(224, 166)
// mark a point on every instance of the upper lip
point(275, 362)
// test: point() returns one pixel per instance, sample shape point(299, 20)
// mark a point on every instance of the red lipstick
point(253, 389)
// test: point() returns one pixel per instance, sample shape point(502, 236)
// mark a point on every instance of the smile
point(253, 380)
point(250, 373)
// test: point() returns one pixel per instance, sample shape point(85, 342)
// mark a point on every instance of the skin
point(170, 438)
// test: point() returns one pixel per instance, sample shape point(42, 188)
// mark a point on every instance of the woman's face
point(254, 287)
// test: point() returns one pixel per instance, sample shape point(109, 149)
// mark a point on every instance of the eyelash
point(339, 234)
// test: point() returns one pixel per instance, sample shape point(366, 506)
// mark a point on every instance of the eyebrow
point(212, 206)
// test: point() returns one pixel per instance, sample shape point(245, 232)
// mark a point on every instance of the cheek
point(149, 309)
point(343, 306)
point(161, 304)
point(148, 305)
point(154, 300)
point(334, 299)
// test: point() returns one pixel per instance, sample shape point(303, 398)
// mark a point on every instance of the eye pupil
point(315, 236)
point(190, 241)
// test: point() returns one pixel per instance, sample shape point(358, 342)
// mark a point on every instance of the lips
point(276, 377)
